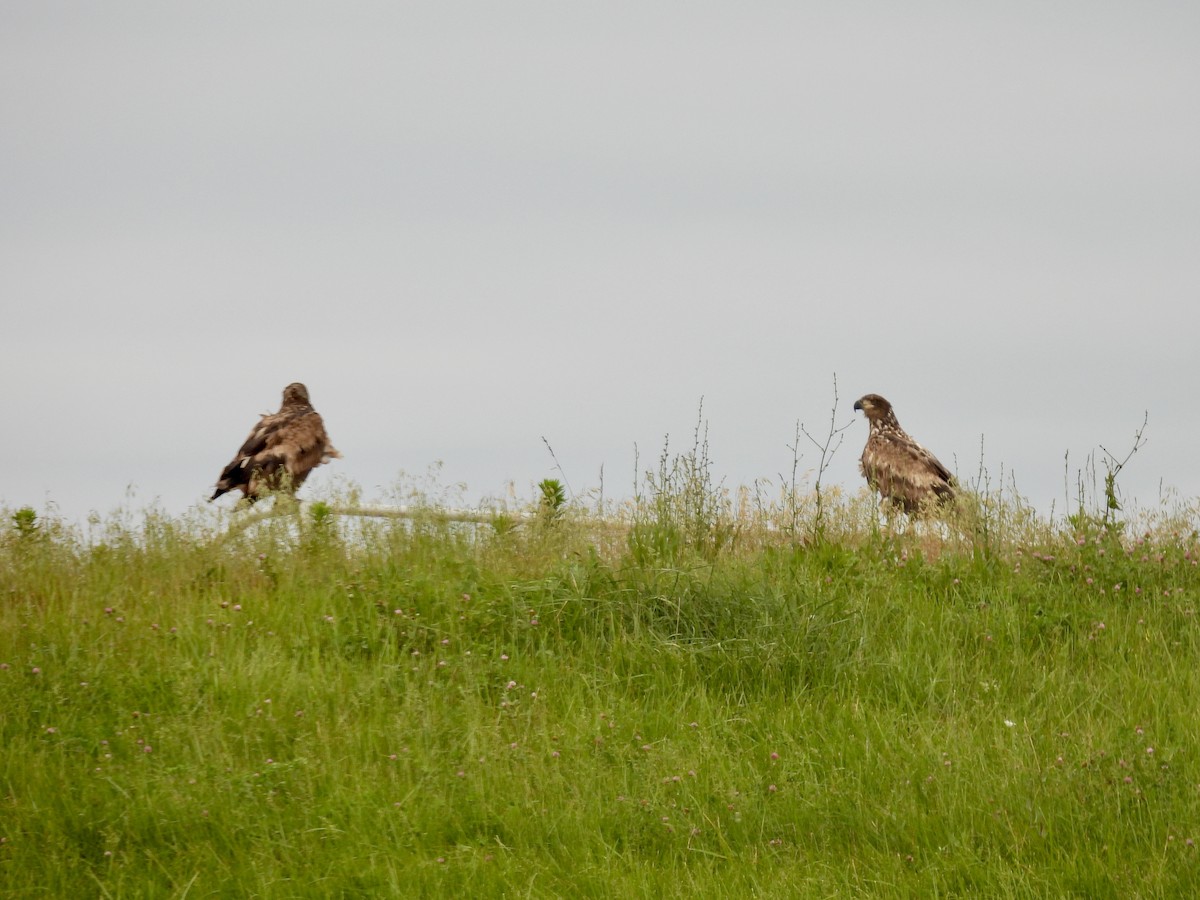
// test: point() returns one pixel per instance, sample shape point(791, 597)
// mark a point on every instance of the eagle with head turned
point(904, 472)
point(281, 450)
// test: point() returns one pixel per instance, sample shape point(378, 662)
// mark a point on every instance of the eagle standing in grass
point(904, 472)
point(281, 450)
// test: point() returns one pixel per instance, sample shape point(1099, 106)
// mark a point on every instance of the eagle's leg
point(894, 518)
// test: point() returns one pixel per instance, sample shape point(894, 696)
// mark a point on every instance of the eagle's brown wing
point(301, 444)
point(292, 441)
point(905, 472)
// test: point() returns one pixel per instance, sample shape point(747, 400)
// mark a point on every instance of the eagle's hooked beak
point(858, 405)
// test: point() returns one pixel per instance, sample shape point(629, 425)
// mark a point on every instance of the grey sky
point(469, 225)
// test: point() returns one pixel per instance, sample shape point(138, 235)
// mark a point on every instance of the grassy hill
point(704, 696)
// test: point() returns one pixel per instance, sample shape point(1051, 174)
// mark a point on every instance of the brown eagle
point(281, 450)
point(904, 472)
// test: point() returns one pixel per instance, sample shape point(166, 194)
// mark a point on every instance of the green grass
point(572, 707)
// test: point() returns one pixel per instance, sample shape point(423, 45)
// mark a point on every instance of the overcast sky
point(469, 225)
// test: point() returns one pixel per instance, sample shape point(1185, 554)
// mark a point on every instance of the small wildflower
point(774, 755)
point(772, 788)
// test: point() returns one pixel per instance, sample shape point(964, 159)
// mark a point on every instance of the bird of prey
point(901, 470)
point(281, 450)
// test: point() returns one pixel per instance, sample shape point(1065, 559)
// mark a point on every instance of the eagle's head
point(873, 405)
point(295, 394)
point(876, 409)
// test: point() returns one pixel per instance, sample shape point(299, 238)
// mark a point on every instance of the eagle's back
point(903, 471)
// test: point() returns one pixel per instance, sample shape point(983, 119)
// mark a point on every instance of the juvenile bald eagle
point(904, 472)
point(281, 450)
